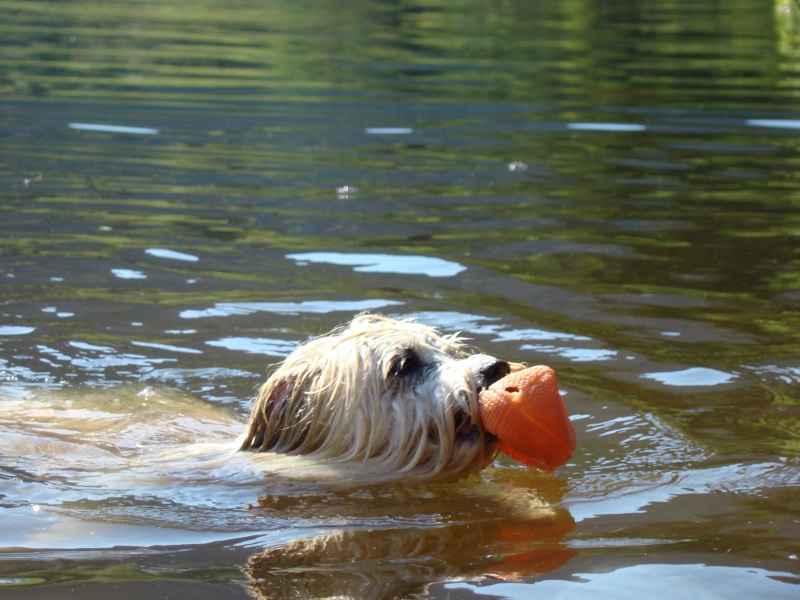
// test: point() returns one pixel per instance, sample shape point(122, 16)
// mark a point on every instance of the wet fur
point(390, 399)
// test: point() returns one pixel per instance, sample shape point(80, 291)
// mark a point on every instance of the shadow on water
point(607, 188)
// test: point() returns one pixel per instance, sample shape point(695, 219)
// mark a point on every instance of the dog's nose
point(494, 372)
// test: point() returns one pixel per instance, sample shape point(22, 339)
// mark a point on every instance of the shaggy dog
point(378, 400)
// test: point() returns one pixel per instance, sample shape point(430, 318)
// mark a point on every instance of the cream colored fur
point(379, 399)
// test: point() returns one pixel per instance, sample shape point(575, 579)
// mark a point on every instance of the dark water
point(189, 189)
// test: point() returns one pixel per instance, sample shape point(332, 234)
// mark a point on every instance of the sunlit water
point(607, 188)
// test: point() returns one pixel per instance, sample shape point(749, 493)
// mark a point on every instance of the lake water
point(187, 190)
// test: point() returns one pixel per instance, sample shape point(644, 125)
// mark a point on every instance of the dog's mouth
point(464, 424)
point(467, 430)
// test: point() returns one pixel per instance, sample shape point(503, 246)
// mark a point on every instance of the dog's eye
point(405, 364)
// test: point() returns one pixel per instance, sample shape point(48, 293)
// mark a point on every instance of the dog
point(377, 400)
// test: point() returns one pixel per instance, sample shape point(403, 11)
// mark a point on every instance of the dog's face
point(395, 397)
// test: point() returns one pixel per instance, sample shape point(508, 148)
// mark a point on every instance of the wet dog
point(382, 401)
point(378, 400)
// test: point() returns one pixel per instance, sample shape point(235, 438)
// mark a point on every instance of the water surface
point(607, 188)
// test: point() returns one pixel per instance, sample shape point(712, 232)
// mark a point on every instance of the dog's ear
point(270, 400)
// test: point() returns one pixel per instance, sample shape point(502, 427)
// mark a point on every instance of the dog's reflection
point(401, 561)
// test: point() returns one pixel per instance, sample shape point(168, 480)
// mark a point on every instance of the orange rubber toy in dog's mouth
point(525, 411)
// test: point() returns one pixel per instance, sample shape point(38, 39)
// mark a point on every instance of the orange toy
point(525, 411)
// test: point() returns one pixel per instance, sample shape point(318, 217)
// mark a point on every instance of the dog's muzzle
point(484, 375)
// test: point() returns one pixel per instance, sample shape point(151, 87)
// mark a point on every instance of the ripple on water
point(384, 263)
point(692, 377)
point(227, 309)
point(128, 274)
point(171, 254)
point(684, 581)
point(8, 330)
point(256, 345)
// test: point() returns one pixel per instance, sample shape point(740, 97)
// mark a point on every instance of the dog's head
point(393, 396)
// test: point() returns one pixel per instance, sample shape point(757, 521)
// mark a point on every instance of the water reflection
point(606, 127)
point(775, 123)
point(171, 254)
point(692, 377)
point(402, 562)
point(113, 128)
point(572, 354)
point(168, 347)
point(128, 274)
point(384, 263)
point(266, 346)
point(689, 582)
point(226, 309)
point(7, 330)
point(389, 130)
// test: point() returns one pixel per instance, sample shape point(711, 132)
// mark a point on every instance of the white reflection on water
point(784, 374)
point(388, 130)
point(227, 309)
point(113, 128)
point(168, 347)
point(171, 254)
point(56, 312)
point(774, 123)
point(482, 325)
point(180, 378)
point(85, 346)
point(266, 346)
point(493, 326)
point(15, 330)
point(573, 354)
point(384, 263)
point(92, 358)
point(537, 334)
point(606, 127)
point(457, 321)
point(128, 274)
point(691, 581)
point(695, 376)
point(48, 528)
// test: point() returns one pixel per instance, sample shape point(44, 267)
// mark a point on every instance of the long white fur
point(335, 404)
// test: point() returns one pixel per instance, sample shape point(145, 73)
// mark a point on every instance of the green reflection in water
point(623, 53)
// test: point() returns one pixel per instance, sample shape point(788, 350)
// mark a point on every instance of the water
point(607, 188)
